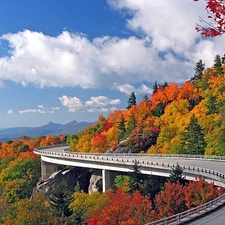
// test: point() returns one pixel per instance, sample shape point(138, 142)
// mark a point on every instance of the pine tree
point(218, 65)
point(199, 68)
point(193, 139)
point(211, 105)
point(131, 101)
point(223, 59)
point(159, 109)
point(136, 177)
point(131, 124)
point(146, 98)
point(176, 175)
point(101, 123)
point(60, 200)
point(152, 185)
point(155, 87)
point(122, 128)
point(165, 85)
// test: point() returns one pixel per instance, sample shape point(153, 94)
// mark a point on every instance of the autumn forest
point(187, 118)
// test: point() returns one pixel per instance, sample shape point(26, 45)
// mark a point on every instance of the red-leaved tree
point(125, 209)
point(216, 15)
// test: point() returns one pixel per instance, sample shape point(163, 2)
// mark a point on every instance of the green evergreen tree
point(223, 59)
point(211, 105)
point(193, 139)
point(199, 69)
point(122, 128)
point(152, 185)
point(60, 200)
point(155, 87)
point(165, 85)
point(23, 148)
point(101, 123)
point(131, 101)
point(136, 177)
point(176, 175)
point(146, 97)
point(159, 109)
point(218, 65)
point(203, 83)
point(193, 102)
point(131, 124)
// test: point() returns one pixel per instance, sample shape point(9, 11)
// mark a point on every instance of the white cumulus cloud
point(128, 89)
point(31, 111)
point(98, 110)
point(72, 103)
point(40, 109)
point(143, 89)
point(125, 88)
point(165, 49)
point(94, 104)
point(101, 101)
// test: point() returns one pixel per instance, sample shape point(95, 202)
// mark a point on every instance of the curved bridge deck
point(212, 168)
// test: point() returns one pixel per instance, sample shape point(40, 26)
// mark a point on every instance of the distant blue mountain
point(51, 128)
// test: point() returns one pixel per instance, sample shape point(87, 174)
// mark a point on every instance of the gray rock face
point(72, 179)
point(123, 150)
point(47, 186)
point(95, 184)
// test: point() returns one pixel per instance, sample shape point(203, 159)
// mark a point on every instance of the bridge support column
point(106, 180)
point(47, 169)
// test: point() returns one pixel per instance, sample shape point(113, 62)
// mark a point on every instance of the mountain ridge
point(55, 129)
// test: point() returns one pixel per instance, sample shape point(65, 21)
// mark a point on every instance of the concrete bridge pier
point(47, 169)
point(106, 180)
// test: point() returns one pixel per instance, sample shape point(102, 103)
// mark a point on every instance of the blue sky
point(64, 60)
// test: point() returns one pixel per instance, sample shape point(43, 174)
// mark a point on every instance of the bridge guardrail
point(184, 156)
point(109, 157)
point(188, 214)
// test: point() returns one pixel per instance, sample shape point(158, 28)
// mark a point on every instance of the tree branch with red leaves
point(216, 25)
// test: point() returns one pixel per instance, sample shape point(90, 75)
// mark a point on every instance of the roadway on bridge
point(211, 164)
point(213, 218)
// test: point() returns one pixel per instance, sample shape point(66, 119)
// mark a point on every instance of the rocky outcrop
point(74, 178)
point(123, 150)
point(95, 184)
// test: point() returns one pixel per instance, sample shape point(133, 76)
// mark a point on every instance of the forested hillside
point(150, 197)
point(183, 118)
point(19, 173)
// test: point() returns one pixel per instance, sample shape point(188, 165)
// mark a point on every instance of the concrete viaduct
point(211, 168)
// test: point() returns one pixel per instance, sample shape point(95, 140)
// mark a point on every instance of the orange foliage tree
point(125, 209)
point(171, 200)
point(99, 143)
point(199, 192)
point(84, 143)
point(186, 91)
point(49, 140)
point(177, 198)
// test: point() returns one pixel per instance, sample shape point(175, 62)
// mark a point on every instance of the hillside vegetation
point(151, 197)
point(177, 119)
point(186, 118)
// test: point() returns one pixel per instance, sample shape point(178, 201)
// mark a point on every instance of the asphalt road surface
point(216, 217)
